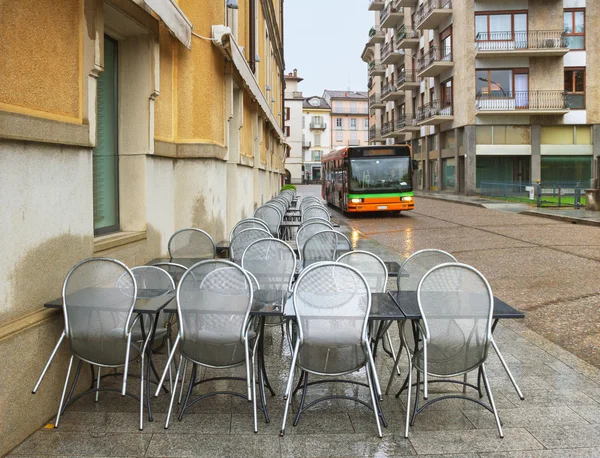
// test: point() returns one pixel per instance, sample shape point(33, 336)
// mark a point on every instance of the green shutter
point(106, 176)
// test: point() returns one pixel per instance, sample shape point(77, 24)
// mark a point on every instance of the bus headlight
point(356, 201)
point(407, 199)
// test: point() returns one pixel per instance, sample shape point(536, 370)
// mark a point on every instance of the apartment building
point(487, 91)
point(293, 128)
point(121, 121)
point(316, 135)
point(349, 117)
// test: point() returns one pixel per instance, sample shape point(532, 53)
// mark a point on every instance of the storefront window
point(449, 173)
point(566, 168)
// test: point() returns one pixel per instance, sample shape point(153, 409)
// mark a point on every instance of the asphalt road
point(549, 269)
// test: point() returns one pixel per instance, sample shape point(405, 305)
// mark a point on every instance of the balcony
point(350, 110)
point(407, 124)
point(390, 17)
point(376, 69)
point(376, 5)
point(318, 125)
point(407, 81)
point(434, 113)
point(407, 38)
point(353, 142)
point(390, 56)
point(432, 13)
point(522, 102)
point(306, 144)
point(387, 129)
point(391, 92)
point(407, 3)
point(375, 135)
point(375, 102)
point(537, 43)
point(434, 62)
point(375, 36)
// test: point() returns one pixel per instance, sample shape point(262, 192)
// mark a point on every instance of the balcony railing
point(435, 108)
point(406, 33)
point(374, 133)
point(376, 67)
point(387, 128)
point(428, 7)
point(306, 144)
point(522, 100)
point(350, 110)
point(405, 77)
point(515, 41)
point(375, 99)
point(406, 121)
point(385, 13)
point(318, 125)
point(435, 54)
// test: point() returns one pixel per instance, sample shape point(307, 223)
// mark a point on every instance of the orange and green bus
point(369, 178)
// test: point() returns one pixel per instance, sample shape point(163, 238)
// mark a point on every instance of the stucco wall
point(39, 57)
point(592, 45)
point(163, 107)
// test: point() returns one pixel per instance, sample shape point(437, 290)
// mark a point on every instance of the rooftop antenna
point(349, 85)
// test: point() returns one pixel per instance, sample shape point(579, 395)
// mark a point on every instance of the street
point(546, 268)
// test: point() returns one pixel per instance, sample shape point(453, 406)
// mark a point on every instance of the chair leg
point(508, 372)
point(409, 389)
point(37, 385)
point(142, 392)
point(169, 360)
point(302, 399)
point(374, 373)
point(390, 343)
point(173, 391)
point(62, 398)
point(491, 398)
point(254, 362)
point(98, 383)
point(373, 400)
point(286, 397)
point(394, 369)
point(169, 365)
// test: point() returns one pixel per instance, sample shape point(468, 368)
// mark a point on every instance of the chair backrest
point(243, 239)
point(418, 264)
point(213, 306)
point(98, 299)
point(153, 281)
point(315, 211)
point(192, 243)
point(456, 304)
point(175, 270)
point(272, 262)
point(324, 246)
point(370, 266)
point(250, 223)
point(309, 202)
point(316, 220)
point(271, 216)
point(309, 229)
point(332, 302)
point(279, 204)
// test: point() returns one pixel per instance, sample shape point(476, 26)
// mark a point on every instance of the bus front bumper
point(381, 206)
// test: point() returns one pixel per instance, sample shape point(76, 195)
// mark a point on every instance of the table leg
point(261, 356)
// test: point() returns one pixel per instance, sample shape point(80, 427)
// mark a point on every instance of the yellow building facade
point(192, 112)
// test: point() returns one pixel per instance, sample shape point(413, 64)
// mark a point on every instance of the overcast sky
point(324, 40)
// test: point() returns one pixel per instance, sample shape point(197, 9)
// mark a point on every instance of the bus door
point(344, 204)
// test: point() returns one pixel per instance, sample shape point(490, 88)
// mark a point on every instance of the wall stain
point(201, 219)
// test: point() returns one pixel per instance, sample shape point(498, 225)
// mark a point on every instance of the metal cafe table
point(145, 307)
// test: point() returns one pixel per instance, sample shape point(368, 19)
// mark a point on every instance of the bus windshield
point(389, 174)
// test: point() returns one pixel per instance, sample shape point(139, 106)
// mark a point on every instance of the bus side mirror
point(415, 165)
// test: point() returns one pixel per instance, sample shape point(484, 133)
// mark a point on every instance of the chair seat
point(445, 358)
point(332, 358)
point(215, 348)
point(136, 334)
point(107, 349)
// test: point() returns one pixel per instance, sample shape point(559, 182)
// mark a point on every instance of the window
point(496, 84)
point(339, 123)
point(287, 113)
point(303, 122)
point(106, 154)
point(575, 87)
point(287, 131)
point(366, 124)
point(317, 120)
point(367, 136)
point(353, 108)
point(566, 135)
point(447, 94)
point(575, 28)
point(317, 138)
point(446, 44)
point(503, 135)
point(316, 155)
point(352, 123)
point(339, 136)
point(315, 102)
point(501, 27)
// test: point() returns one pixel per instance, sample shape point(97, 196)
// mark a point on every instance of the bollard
point(538, 194)
point(577, 198)
point(559, 196)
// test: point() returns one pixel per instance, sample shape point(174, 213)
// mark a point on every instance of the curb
point(461, 202)
point(566, 219)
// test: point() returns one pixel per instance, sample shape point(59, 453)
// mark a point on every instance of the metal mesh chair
point(316, 220)
point(315, 211)
point(307, 230)
point(411, 272)
point(98, 322)
point(324, 246)
point(192, 243)
point(271, 216)
point(456, 304)
point(250, 223)
point(213, 306)
point(309, 201)
point(175, 270)
point(243, 239)
point(280, 204)
point(331, 303)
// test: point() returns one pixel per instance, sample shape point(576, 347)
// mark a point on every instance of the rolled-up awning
point(174, 19)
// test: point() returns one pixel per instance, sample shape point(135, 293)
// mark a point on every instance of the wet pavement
point(544, 267)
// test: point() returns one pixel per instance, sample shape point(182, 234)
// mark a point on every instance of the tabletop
point(186, 262)
point(407, 302)
point(145, 305)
